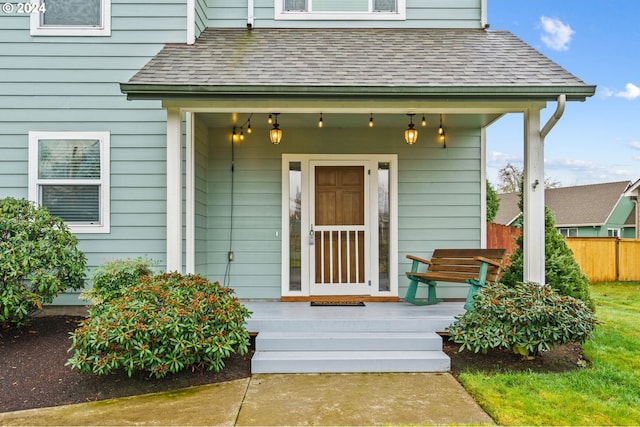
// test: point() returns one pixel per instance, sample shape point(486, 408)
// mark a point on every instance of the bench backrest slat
point(461, 264)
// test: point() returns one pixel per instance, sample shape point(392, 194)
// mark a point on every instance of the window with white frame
point(340, 9)
point(569, 232)
point(69, 174)
point(613, 232)
point(71, 18)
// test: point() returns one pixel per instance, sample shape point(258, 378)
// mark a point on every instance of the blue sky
point(599, 42)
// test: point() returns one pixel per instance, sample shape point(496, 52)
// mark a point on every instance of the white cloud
point(556, 34)
point(631, 92)
point(605, 92)
point(497, 156)
point(635, 144)
point(577, 172)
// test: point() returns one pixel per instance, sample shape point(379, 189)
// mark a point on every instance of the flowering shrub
point(39, 258)
point(526, 318)
point(165, 324)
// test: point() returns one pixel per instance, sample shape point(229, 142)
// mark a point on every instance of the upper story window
point(341, 9)
point(69, 175)
point(71, 18)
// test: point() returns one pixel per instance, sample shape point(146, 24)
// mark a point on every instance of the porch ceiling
point(354, 64)
point(346, 121)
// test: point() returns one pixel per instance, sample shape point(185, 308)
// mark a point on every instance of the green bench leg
point(431, 293)
point(474, 286)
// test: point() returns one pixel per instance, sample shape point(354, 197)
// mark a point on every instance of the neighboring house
point(596, 210)
point(144, 125)
point(634, 217)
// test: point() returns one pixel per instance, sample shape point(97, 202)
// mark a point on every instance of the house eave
point(153, 91)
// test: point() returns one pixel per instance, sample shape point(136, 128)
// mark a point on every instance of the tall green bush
point(562, 272)
point(164, 324)
point(39, 258)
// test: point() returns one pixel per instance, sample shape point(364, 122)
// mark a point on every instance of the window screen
point(69, 13)
point(60, 163)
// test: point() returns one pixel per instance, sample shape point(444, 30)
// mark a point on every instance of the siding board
point(71, 84)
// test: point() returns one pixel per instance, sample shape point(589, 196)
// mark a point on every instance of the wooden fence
point(602, 259)
point(607, 259)
point(502, 236)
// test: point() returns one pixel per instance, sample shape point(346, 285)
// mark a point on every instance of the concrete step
point(264, 362)
point(330, 324)
point(341, 341)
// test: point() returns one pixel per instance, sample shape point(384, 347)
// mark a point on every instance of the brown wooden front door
point(339, 253)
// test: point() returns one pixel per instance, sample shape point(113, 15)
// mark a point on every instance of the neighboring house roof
point(508, 210)
point(446, 63)
point(633, 190)
point(583, 205)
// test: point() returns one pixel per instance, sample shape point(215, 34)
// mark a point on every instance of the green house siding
point(439, 198)
point(52, 83)
point(420, 13)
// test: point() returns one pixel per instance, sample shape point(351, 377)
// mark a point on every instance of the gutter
point(443, 93)
point(562, 100)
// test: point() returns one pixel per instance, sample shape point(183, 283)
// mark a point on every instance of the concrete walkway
point(295, 400)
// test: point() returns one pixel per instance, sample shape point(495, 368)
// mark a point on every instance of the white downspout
point(562, 100)
point(250, 14)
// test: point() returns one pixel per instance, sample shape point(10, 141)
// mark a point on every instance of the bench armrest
point(415, 258)
point(488, 261)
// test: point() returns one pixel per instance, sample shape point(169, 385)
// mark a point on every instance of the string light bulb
point(321, 121)
point(371, 121)
point(269, 119)
point(249, 130)
point(443, 138)
point(424, 121)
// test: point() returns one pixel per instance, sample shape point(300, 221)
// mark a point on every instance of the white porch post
point(174, 190)
point(533, 209)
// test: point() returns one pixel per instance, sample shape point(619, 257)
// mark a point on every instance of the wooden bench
point(473, 266)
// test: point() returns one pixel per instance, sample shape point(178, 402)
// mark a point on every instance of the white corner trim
point(174, 190)
point(191, 21)
point(190, 235)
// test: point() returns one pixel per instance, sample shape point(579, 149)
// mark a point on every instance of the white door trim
point(305, 161)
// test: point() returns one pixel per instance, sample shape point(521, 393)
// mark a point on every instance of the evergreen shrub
point(39, 258)
point(112, 279)
point(526, 318)
point(164, 324)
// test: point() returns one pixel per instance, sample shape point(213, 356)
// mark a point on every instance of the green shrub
point(562, 272)
point(526, 318)
point(165, 324)
point(112, 279)
point(39, 259)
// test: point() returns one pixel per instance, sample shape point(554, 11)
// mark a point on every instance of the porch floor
point(287, 316)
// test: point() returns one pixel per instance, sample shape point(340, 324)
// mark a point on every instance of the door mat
point(337, 303)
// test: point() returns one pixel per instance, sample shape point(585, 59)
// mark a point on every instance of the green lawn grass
point(607, 393)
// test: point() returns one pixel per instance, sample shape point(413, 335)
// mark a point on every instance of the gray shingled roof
point(581, 205)
point(444, 62)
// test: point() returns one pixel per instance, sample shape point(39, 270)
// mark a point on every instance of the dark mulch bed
point(33, 372)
